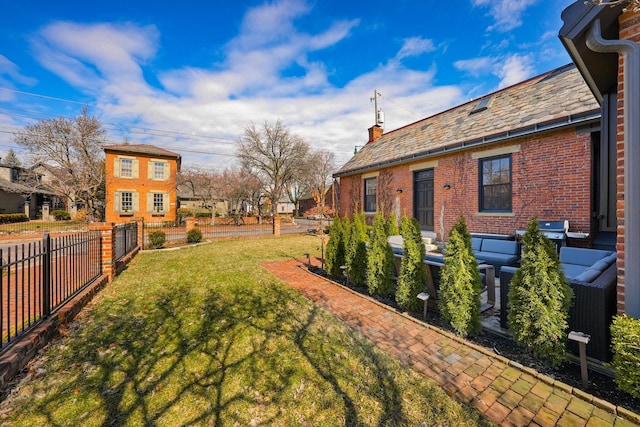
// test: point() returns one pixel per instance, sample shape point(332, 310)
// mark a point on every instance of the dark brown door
point(423, 202)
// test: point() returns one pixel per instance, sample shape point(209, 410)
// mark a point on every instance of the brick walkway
point(502, 390)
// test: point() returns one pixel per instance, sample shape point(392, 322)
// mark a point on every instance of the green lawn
point(205, 336)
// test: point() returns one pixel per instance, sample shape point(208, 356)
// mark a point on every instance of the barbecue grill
point(556, 231)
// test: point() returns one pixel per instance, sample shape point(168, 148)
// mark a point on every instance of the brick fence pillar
point(108, 249)
point(140, 221)
point(276, 225)
point(190, 223)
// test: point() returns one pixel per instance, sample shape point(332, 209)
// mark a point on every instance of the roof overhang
point(599, 70)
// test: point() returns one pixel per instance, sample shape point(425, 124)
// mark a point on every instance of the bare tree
point(320, 168)
point(242, 189)
point(207, 186)
point(71, 150)
point(274, 155)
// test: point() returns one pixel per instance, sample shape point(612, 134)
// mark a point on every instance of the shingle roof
point(18, 188)
point(553, 99)
point(141, 149)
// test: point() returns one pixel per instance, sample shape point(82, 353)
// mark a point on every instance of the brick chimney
point(375, 132)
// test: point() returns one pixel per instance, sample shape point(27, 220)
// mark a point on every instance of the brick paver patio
point(502, 390)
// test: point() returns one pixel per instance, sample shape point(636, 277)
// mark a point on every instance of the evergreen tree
point(380, 260)
point(11, 159)
point(539, 298)
point(413, 277)
point(335, 248)
point(392, 225)
point(356, 256)
point(460, 283)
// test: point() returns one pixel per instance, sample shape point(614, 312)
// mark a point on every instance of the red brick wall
point(142, 185)
point(629, 30)
point(551, 178)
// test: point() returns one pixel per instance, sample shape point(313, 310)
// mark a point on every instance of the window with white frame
point(126, 168)
point(126, 201)
point(158, 170)
point(158, 202)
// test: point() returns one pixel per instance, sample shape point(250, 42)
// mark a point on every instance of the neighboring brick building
point(532, 149)
point(603, 41)
point(140, 182)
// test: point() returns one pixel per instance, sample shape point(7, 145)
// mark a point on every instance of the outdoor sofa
point(497, 252)
point(592, 274)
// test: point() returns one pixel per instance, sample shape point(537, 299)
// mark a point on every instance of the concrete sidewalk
point(503, 390)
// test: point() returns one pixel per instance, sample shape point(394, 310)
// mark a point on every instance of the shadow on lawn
point(215, 356)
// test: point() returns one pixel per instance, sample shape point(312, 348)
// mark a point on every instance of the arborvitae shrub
point(380, 260)
point(625, 344)
point(392, 225)
point(335, 248)
point(194, 235)
point(460, 283)
point(539, 298)
point(156, 239)
point(356, 257)
point(413, 277)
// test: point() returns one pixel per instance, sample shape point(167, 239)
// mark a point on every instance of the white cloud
point(506, 13)
point(515, 69)
point(415, 46)
point(265, 74)
point(85, 55)
point(475, 66)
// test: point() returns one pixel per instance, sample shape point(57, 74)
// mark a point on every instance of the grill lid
point(554, 226)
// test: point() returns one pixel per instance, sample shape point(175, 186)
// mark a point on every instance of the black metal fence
point(38, 277)
point(173, 233)
point(126, 239)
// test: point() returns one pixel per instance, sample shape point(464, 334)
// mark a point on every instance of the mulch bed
point(600, 385)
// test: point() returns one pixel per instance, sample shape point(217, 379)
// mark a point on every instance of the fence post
point(108, 248)
point(46, 275)
point(276, 224)
point(140, 221)
point(190, 223)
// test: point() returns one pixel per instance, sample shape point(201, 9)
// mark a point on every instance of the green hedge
point(14, 217)
point(625, 343)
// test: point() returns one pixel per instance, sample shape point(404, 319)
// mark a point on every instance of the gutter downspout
point(630, 52)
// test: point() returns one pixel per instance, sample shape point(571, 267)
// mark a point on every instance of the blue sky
point(190, 76)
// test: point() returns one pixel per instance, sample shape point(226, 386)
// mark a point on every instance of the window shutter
point(135, 167)
point(151, 169)
point(149, 202)
point(135, 201)
point(166, 171)
point(116, 167)
point(116, 201)
point(165, 202)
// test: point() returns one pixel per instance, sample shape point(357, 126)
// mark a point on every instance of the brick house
point(308, 201)
point(534, 148)
point(603, 42)
point(140, 182)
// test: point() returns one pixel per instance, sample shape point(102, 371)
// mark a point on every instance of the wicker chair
point(592, 310)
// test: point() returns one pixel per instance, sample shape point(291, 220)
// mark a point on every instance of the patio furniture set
point(591, 273)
